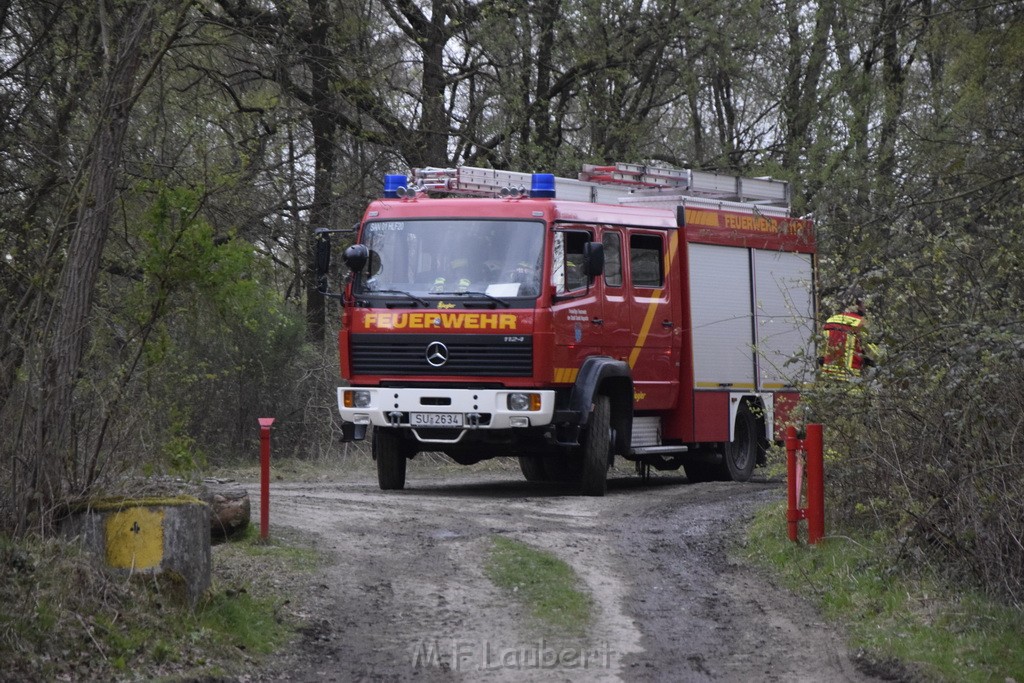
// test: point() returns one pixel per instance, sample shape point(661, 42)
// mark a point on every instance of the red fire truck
point(663, 316)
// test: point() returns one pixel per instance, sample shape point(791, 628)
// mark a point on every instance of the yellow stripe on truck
point(652, 308)
point(724, 385)
point(566, 375)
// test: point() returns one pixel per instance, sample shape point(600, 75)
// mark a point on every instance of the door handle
point(666, 323)
point(597, 321)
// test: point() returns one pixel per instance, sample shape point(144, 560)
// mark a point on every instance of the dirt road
point(406, 597)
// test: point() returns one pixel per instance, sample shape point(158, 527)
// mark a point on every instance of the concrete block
point(167, 537)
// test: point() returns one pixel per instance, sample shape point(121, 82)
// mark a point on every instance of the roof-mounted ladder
point(619, 183)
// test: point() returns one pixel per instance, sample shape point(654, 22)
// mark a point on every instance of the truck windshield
point(492, 258)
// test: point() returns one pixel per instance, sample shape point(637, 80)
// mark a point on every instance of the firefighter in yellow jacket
point(846, 348)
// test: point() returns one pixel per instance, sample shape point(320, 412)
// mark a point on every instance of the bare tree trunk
point(806, 68)
point(429, 144)
point(546, 145)
point(54, 453)
point(324, 125)
point(434, 129)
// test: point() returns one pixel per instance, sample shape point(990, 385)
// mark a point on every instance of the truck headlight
point(356, 398)
point(522, 401)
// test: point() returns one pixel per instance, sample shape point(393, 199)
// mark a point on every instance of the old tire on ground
point(391, 454)
point(741, 453)
point(533, 468)
point(596, 448)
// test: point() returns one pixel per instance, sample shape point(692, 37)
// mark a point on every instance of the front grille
point(468, 355)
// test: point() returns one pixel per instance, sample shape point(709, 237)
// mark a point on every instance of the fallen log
point(230, 509)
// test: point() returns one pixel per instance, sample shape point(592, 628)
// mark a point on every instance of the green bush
point(930, 450)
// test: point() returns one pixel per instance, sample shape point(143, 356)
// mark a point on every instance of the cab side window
point(612, 259)
point(567, 273)
point(645, 261)
point(574, 277)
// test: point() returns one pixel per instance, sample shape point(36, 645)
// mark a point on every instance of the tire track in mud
point(406, 598)
point(707, 617)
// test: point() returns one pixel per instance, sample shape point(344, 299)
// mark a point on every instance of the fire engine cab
point(663, 316)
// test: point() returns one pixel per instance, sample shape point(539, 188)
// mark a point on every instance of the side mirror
point(355, 257)
point(593, 259)
point(322, 253)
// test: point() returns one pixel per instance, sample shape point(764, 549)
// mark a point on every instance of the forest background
point(163, 164)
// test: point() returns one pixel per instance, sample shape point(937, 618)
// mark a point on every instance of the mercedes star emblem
point(437, 354)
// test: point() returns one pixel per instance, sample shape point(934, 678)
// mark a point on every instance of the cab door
point(652, 296)
point(616, 320)
point(577, 309)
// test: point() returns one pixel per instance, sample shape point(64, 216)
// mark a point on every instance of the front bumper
point(415, 408)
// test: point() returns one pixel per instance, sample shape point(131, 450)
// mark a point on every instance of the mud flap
point(617, 380)
point(352, 432)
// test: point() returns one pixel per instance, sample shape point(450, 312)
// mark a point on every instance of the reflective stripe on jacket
point(843, 353)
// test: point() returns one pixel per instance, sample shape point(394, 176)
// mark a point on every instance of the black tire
point(597, 448)
point(742, 452)
point(533, 468)
point(391, 453)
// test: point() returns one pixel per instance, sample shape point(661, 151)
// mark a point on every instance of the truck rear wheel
point(596, 448)
point(391, 454)
point(741, 453)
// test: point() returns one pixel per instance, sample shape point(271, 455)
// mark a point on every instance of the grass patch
point(546, 585)
point(246, 622)
point(277, 549)
point(935, 630)
point(65, 618)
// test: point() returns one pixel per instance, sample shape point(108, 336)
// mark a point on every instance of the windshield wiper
point(483, 294)
point(415, 298)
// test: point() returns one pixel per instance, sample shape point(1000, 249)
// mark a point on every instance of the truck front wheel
point(533, 468)
point(391, 454)
point(596, 448)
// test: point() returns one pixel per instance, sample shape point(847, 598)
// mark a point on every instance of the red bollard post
point(265, 423)
point(812, 446)
point(793, 515)
point(815, 484)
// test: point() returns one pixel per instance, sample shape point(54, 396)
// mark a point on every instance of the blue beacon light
point(542, 186)
point(391, 185)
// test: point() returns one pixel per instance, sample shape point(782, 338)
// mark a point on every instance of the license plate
point(435, 419)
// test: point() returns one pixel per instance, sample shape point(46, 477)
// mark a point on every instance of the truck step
point(658, 450)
